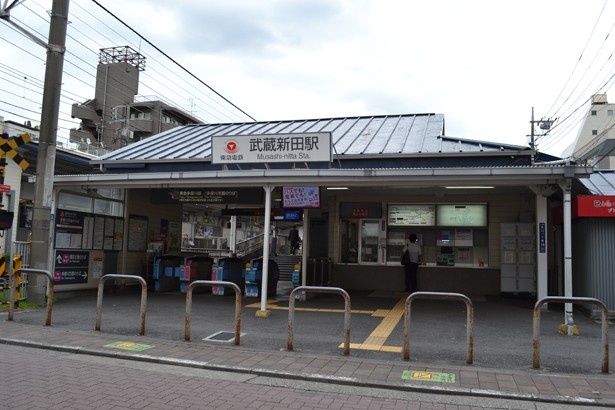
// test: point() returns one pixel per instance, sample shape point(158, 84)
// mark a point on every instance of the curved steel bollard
point(49, 293)
point(213, 283)
point(445, 296)
point(99, 298)
point(319, 289)
point(556, 299)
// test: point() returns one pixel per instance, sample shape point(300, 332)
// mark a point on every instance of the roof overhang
point(504, 176)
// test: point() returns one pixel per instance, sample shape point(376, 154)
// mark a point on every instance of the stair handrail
point(249, 245)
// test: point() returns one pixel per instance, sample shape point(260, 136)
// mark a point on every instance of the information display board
point(81, 230)
point(461, 215)
point(412, 215)
point(70, 267)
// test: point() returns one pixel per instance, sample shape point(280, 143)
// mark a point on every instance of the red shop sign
point(592, 206)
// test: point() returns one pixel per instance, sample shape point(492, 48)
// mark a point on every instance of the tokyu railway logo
point(231, 147)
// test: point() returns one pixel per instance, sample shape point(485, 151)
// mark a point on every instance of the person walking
point(294, 239)
point(413, 259)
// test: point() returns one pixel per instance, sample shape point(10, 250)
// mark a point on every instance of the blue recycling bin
point(231, 270)
point(254, 278)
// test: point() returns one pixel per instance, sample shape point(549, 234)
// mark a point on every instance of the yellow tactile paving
point(363, 346)
point(377, 339)
point(273, 306)
point(379, 336)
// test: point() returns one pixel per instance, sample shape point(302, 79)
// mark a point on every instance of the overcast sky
point(482, 63)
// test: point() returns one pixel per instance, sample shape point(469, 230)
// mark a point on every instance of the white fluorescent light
point(469, 187)
point(336, 188)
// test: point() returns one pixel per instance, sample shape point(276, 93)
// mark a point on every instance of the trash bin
point(254, 278)
point(231, 270)
point(196, 267)
point(167, 271)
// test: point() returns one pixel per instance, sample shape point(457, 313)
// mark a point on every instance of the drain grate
point(222, 336)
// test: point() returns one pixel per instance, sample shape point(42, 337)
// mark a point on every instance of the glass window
point(74, 202)
point(106, 207)
point(609, 113)
point(594, 112)
point(594, 132)
point(111, 193)
point(350, 241)
point(95, 202)
point(369, 240)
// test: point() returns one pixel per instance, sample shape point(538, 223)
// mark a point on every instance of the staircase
point(286, 264)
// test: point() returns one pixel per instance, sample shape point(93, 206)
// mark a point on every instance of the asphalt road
point(438, 333)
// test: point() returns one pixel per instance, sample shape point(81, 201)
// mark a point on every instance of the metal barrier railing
point(50, 291)
point(555, 299)
point(22, 248)
point(444, 296)
point(99, 298)
point(318, 289)
point(321, 271)
point(213, 283)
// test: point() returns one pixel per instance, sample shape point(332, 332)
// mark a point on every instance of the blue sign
point(543, 240)
point(295, 215)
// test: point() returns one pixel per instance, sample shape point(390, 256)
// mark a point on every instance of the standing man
point(414, 258)
point(294, 239)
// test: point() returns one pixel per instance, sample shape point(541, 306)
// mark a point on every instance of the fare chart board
point(412, 215)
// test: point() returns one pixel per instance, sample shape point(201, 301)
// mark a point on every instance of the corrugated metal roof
point(601, 182)
point(362, 136)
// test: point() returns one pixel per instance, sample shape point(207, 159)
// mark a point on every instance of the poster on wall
point(70, 267)
point(137, 233)
point(99, 232)
point(97, 268)
point(118, 235)
point(109, 234)
point(174, 235)
point(87, 240)
point(301, 197)
point(69, 229)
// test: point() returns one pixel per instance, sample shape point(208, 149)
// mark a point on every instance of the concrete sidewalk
point(594, 390)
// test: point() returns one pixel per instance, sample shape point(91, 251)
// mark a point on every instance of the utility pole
point(544, 125)
point(43, 191)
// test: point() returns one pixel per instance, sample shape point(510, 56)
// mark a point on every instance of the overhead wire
point(162, 75)
point(77, 63)
point(174, 61)
point(143, 81)
point(572, 110)
point(578, 61)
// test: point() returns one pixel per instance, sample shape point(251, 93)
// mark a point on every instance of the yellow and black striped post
point(7, 288)
point(17, 264)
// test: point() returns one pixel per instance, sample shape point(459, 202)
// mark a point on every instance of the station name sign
point(267, 148)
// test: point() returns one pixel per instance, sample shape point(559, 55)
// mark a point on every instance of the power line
point(578, 61)
point(173, 60)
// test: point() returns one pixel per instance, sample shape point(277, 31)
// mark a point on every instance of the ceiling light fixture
point(336, 188)
point(469, 187)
